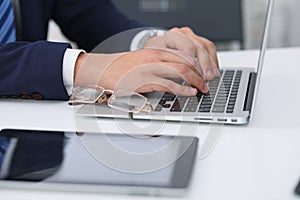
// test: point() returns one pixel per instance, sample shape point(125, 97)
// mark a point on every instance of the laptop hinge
point(250, 92)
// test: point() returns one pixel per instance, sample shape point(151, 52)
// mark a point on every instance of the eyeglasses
point(123, 100)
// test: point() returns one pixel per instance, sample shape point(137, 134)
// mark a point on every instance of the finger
point(179, 41)
point(205, 67)
point(184, 72)
point(205, 44)
point(205, 64)
point(210, 48)
point(159, 55)
point(169, 55)
point(165, 85)
point(175, 56)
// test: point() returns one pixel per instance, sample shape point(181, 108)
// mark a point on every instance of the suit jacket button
point(37, 96)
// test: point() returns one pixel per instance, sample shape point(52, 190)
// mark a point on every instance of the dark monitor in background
point(218, 20)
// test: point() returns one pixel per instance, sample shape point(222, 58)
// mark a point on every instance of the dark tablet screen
point(297, 190)
point(97, 159)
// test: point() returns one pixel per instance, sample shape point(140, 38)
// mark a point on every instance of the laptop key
point(162, 102)
point(194, 100)
point(230, 106)
point(168, 97)
point(167, 105)
point(182, 99)
point(204, 110)
point(158, 108)
point(231, 103)
point(191, 106)
point(229, 111)
point(177, 106)
point(218, 109)
point(205, 106)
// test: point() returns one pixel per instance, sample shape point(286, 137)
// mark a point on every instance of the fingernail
point(206, 87)
point(193, 91)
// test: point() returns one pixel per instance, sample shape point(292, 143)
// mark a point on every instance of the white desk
point(256, 161)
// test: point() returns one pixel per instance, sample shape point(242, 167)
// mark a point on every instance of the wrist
point(78, 64)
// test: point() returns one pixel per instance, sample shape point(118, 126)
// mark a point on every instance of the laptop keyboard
point(221, 97)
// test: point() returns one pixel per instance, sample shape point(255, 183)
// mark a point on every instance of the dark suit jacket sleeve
point(30, 68)
point(37, 67)
point(90, 22)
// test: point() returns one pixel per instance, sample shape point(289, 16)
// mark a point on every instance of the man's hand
point(142, 71)
point(178, 54)
point(185, 40)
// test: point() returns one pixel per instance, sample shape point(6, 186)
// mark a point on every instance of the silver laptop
point(230, 100)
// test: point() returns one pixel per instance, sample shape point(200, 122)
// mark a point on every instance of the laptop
point(230, 100)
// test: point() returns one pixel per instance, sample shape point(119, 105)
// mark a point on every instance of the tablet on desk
point(94, 162)
point(297, 190)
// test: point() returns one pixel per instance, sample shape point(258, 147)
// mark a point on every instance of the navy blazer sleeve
point(90, 22)
point(35, 67)
point(32, 68)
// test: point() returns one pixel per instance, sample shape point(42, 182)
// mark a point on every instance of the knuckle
point(186, 29)
point(203, 46)
point(153, 54)
point(174, 29)
point(210, 45)
point(156, 52)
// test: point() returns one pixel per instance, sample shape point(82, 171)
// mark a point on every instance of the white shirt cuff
point(69, 61)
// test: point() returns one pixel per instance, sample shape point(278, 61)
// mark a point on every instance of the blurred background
point(231, 24)
point(285, 29)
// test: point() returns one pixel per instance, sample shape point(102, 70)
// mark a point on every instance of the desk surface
point(255, 161)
